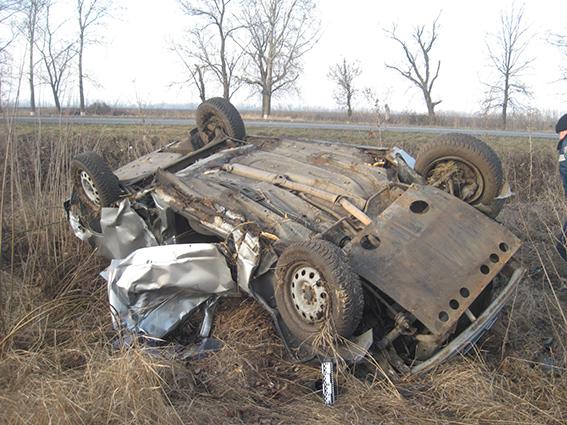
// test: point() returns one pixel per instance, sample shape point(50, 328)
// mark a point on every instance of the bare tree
point(196, 72)
point(8, 14)
point(198, 77)
point(212, 42)
point(56, 55)
point(90, 14)
point(419, 68)
point(279, 34)
point(378, 106)
point(8, 9)
point(34, 11)
point(560, 41)
point(508, 59)
point(344, 74)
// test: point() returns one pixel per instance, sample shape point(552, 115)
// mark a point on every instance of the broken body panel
point(427, 259)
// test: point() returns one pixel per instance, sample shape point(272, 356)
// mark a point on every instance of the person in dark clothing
point(561, 249)
point(561, 130)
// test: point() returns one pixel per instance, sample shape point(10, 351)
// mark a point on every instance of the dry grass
point(57, 364)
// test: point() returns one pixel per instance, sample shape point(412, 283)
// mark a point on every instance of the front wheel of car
point(219, 115)
point(94, 182)
point(464, 166)
point(317, 291)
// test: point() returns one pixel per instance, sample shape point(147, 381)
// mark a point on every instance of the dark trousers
point(561, 249)
point(563, 174)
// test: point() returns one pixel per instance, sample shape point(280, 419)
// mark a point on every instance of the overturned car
point(399, 257)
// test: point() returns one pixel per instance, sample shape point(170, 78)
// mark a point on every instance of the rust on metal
point(435, 256)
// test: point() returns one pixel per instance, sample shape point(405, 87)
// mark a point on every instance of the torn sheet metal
point(505, 192)
point(153, 289)
point(408, 159)
point(248, 257)
point(79, 230)
point(166, 221)
point(123, 232)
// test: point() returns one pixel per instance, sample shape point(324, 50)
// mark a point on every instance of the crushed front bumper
point(471, 335)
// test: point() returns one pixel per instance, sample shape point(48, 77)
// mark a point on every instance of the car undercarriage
point(396, 258)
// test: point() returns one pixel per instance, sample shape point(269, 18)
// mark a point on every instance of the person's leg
point(561, 248)
point(563, 172)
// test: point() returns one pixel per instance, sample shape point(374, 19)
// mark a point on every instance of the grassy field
point(57, 364)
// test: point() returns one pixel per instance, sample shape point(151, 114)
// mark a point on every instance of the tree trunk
point(266, 105)
point(81, 88)
point(226, 90)
point(430, 107)
point(431, 112)
point(225, 79)
point(349, 105)
point(56, 100)
point(201, 84)
point(32, 88)
point(505, 102)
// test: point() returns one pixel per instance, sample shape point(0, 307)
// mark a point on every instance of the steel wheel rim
point(308, 294)
point(89, 188)
point(464, 167)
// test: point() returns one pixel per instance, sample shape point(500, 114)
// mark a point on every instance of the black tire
point(219, 114)
point(344, 300)
point(494, 209)
point(90, 173)
point(472, 152)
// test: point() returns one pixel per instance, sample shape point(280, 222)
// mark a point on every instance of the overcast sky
point(135, 63)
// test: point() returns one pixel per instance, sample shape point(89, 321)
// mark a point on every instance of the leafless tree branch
point(197, 71)
point(34, 12)
point(344, 74)
point(56, 55)
point(278, 34)
point(90, 14)
point(508, 58)
point(211, 42)
point(417, 55)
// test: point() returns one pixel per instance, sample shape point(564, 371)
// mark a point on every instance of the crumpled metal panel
point(408, 159)
point(247, 259)
point(79, 230)
point(153, 289)
point(433, 254)
point(123, 232)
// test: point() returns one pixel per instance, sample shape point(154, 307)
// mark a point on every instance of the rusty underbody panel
point(435, 255)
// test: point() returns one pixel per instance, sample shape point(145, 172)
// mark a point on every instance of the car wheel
point(317, 289)
point(494, 208)
point(463, 166)
point(218, 114)
point(94, 182)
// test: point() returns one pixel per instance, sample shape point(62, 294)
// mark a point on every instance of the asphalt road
point(279, 124)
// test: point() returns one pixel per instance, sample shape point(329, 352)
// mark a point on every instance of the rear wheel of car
point(317, 290)
point(463, 166)
point(94, 182)
point(219, 115)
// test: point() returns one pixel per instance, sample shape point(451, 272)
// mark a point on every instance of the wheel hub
point(308, 294)
point(458, 178)
point(89, 188)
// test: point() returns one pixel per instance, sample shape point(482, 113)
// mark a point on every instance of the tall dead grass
point(58, 364)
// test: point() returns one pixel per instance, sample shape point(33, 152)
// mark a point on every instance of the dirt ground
point(58, 364)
